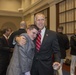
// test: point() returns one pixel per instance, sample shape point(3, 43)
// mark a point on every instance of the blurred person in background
point(11, 31)
point(17, 33)
point(1, 33)
point(4, 51)
point(64, 45)
point(73, 53)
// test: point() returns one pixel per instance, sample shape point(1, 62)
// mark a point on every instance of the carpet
point(66, 72)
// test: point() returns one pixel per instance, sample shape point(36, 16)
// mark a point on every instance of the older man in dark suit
point(46, 46)
point(43, 59)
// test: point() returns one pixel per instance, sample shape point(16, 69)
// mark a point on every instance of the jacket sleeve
point(66, 42)
point(22, 59)
point(56, 50)
point(72, 43)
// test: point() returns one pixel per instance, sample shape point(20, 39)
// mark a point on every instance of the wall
point(26, 3)
point(12, 22)
point(10, 5)
point(33, 7)
point(53, 17)
point(28, 19)
point(41, 5)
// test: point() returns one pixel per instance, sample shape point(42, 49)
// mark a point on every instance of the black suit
point(63, 44)
point(73, 45)
point(13, 35)
point(42, 64)
point(4, 55)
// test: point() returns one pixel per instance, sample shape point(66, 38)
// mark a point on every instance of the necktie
point(7, 41)
point(38, 41)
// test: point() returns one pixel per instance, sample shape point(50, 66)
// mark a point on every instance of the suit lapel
point(5, 40)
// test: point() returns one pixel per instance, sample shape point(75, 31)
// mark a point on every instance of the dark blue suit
point(43, 60)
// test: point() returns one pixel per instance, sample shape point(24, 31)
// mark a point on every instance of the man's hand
point(21, 40)
point(56, 65)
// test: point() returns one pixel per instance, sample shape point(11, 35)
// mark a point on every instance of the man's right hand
point(21, 40)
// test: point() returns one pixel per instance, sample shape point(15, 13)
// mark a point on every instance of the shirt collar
point(5, 36)
point(43, 30)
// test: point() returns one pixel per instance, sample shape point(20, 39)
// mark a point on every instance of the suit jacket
point(13, 35)
point(4, 48)
point(48, 47)
point(4, 54)
point(22, 58)
point(63, 44)
point(73, 44)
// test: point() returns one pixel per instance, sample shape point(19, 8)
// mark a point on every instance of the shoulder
point(14, 33)
point(65, 35)
point(51, 32)
point(25, 35)
point(73, 37)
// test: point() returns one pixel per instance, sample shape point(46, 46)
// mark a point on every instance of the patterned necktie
point(38, 41)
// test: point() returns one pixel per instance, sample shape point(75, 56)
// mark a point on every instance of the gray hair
point(39, 14)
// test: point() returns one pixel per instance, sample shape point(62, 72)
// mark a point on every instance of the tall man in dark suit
point(43, 59)
point(43, 62)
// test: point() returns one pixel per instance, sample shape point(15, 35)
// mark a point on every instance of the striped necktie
point(38, 41)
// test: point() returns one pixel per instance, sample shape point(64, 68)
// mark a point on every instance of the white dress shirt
point(42, 34)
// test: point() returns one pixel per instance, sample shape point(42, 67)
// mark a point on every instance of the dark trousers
point(38, 68)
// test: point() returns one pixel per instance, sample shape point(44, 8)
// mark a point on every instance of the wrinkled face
point(40, 21)
point(32, 33)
